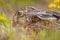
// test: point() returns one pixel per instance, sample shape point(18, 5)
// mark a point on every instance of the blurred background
point(10, 6)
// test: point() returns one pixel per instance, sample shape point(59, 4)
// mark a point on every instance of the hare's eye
point(20, 14)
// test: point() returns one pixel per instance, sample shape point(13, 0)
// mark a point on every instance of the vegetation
point(6, 29)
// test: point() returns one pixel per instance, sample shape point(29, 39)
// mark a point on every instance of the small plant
point(7, 26)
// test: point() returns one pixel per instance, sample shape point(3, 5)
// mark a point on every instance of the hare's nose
point(56, 17)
